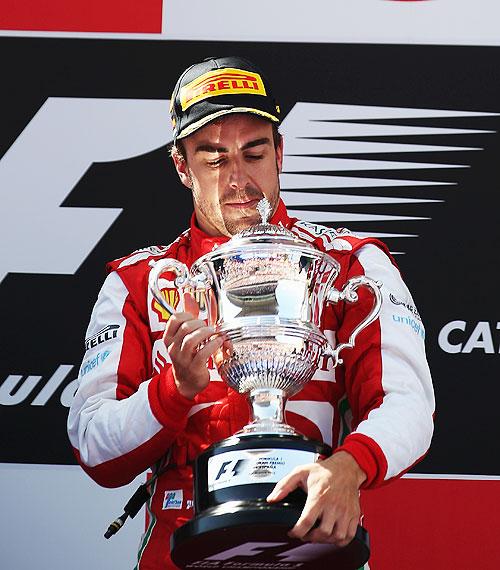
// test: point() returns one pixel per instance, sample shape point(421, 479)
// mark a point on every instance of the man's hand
point(184, 335)
point(332, 504)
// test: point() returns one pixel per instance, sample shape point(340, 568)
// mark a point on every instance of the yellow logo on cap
point(221, 82)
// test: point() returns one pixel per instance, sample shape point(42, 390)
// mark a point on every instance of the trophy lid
point(265, 232)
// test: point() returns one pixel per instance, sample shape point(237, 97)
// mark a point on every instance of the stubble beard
point(231, 225)
point(235, 225)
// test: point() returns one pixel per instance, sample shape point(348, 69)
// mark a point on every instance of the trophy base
point(248, 535)
point(234, 526)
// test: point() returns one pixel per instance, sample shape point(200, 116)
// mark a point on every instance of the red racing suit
point(127, 415)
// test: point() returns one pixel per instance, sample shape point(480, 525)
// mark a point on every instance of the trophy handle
point(200, 282)
point(350, 295)
point(158, 268)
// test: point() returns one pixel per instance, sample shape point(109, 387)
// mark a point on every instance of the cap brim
point(202, 122)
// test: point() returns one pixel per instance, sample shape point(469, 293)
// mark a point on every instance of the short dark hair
point(179, 150)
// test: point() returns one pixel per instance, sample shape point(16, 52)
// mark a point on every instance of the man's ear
point(279, 154)
point(182, 169)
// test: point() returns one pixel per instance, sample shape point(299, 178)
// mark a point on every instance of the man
point(148, 398)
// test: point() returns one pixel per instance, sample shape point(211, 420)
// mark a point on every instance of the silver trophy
point(265, 291)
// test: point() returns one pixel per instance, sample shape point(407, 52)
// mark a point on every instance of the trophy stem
point(267, 413)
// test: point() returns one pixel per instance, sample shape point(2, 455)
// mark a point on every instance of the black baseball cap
point(216, 87)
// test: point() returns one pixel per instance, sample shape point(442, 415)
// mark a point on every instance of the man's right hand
point(183, 336)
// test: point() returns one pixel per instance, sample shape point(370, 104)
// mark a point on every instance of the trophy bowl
point(269, 295)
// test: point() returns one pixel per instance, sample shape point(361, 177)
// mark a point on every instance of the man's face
point(230, 165)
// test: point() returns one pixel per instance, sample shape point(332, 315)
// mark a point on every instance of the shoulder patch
point(152, 249)
point(144, 253)
point(329, 238)
point(312, 232)
point(341, 240)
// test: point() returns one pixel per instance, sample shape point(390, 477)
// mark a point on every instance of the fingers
point(331, 511)
point(351, 531)
point(285, 486)
point(176, 332)
point(317, 524)
point(174, 324)
point(323, 531)
point(190, 343)
point(329, 530)
point(310, 513)
point(191, 336)
point(208, 349)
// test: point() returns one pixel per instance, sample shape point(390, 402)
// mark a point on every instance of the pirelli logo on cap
point(229, 81)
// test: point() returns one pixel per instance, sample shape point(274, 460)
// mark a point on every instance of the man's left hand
point(331, 513)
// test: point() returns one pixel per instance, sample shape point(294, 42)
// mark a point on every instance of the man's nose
point(238, 176)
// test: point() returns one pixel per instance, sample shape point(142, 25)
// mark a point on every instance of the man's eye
point(255, 156)
point(216, 162)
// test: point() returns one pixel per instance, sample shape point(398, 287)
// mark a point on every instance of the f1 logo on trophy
point(265, 291)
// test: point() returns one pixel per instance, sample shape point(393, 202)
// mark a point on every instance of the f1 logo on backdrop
point(45, 163)
point(67, 135)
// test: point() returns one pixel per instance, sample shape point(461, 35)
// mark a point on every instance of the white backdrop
point(54, 517)
point(442, 22)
